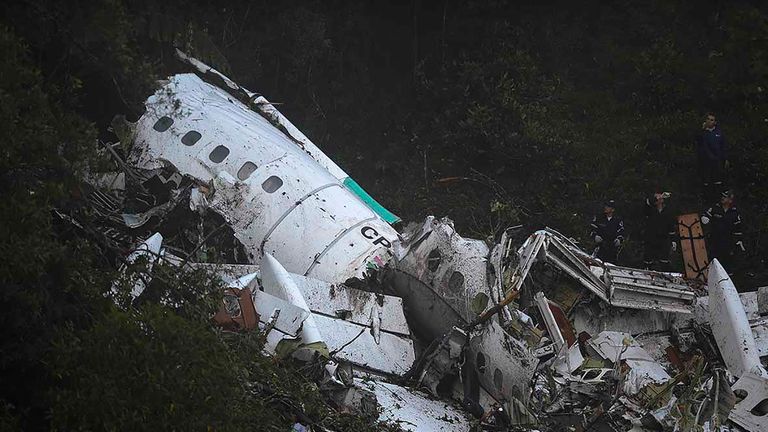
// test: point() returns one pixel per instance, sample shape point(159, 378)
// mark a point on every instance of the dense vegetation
point(489, 112)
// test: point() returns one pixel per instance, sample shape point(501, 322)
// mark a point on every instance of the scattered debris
point(424, 328)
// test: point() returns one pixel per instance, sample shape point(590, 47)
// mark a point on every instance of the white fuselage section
point(275, 195)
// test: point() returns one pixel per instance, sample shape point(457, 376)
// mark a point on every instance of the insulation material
point(643, 369)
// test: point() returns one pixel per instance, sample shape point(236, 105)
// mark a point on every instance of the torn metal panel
point(568, 360)
point(751, 409)
point(269, 111)
point(291, 317)
point(334, 300)
point(564, 255)
point(502, 257)
point(261, 105)
point(549, 321)
point(643, 369)
point(274, 195)
point(276, 281)
point(198, 201)
point(248, 282)
point(150, 250)
point(411, 237)
point(354, 343)
point(353, 305)
point(618, 286)
point(730, 326)
point(139, 219)
point(510, 364)
point(284, 325)
point(646, 289)
point(453, 266)
point(443, 361)
point(414, 411)
point(527, 254)
point(430, 315)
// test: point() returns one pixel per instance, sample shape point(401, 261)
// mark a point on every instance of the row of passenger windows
point(270, 185)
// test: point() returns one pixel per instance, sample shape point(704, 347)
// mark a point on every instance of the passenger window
point(190, 138)
point(456, 282)
point(219, 154)
point(433, 260)
point(498, 379)
point(591, 374)
point(163, 123)
point(480, 362)
point(246, 170)
point(272, 184)
point(761, 409)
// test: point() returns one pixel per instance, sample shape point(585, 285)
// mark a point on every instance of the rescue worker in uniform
point(725, 234)
point(712, 156)
point(660, 232)
point(607, 231)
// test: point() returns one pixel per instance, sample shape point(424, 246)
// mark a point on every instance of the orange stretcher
point(693, 246)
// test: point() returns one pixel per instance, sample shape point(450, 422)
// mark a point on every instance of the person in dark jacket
point(725, 233)
point(660, 232)
point(712, 155)
point(607, 231)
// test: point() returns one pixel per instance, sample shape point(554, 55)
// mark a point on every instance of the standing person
point(607, 231)
point(725, 233)
point(712, 156)
point(660, 235)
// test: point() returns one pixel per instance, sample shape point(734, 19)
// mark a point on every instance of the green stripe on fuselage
point(377, 208)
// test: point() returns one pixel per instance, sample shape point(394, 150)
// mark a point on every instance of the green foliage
point(46, 280)
point(146, 367)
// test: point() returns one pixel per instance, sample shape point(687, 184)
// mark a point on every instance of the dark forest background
point(494, 113)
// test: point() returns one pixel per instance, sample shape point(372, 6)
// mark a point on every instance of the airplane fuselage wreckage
point(419, 325)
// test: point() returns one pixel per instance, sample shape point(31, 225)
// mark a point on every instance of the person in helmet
point(725, 234)
point(607, 231)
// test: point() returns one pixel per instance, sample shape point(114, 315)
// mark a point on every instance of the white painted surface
point(549, 321)
point(291, 316)
point(276, 281)
point(756, 388)
point(269, 110)
point(415, 411)
point(730, 326)
point(458, 256)
point(644, 370)
point(326, 298)
point(392, 355)
point(510, 357)
point(298, 222)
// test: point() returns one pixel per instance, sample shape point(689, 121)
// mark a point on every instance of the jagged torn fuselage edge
point(277, 198)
